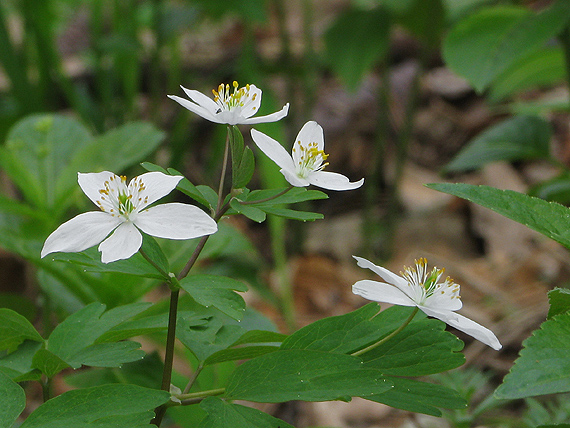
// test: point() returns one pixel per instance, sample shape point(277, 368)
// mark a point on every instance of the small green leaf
point(245, 171)
point(543, 366)
point(303, 375)
point(292, 214)
point(208, 195)
point(556, 189)
point(48, 363)
point(249, 211)
point(517, 138)
point(107, 406)
point(236, 146)
point(419, 397)
point(269, 197)
point(14, 329)
point(236, 354)
point(356, 42)
point(13, 401)
point(559, 300)
point(549, 218)
point(217, 291)
point(260, 336)
point(224, 415)
point(18, 364)
point(107, 354)
point(153, 251)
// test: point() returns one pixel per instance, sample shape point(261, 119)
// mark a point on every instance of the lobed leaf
point(14, 329)
point(221, 414)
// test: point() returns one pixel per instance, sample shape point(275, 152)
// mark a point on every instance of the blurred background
point(399, 88)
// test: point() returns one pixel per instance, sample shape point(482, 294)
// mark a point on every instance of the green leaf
point(549, 218)
point(13, 401)
point(217, 291)
point(74, 339)
point(556, 189)
point(37, 150)
point(260, 336)
point(14, 329)
point(236, 354)
point(223, 415)
point(18, 364)
point(544, 67)
point(347, 333)
point(48, 363)
point(249, 211)
point(356, 42)
point(517, 138)
point(425, 19)
point(269, 197)
point(209, 195)
point(292, 214)
point(543, 366)
point(419, 397)
point(236, 147)
point(559, 300)
point(153, 251)
point(107, 406)
point(303, 375)
point(246, 168)
point(485, 44)
point(422, 348)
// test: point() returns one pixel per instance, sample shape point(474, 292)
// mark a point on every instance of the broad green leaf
point(347, 333)
point(303, 375)
point(260, 336)
point(217, 291)
point(48, 363)
point(236, 354)
point(269, 197)
point(559, 300)
point(543, 366)
point(73, 340)
point(107, 354)
point(153, 251)
point(245, 171)
point(18, 364)
point(549, 218)
point(356, 42)
point(556, 189)
point(209, 195)
point(544, 67)
point(13, 401)
point(37, 151)
point(14, 329)
point(293, 214)
point(249, 211)
point(422, 348)
point(488, 42)
point(419, 397)
point(107, 406)
point(517, 138)
point(138, 327)
point(221, 414)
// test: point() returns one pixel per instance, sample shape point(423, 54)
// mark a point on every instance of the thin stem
point(193, 378)
point(224, 169)
point(46, 388)
point(260, 201)
point(565, 41)
point(154, 265)
point(387, 338)
point(201, 394)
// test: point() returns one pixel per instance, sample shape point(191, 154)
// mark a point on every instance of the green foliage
point(13, 401)
point(107, 406)
point(14, 329)
point(559, 300)
point(221, 414)
point(517, 138)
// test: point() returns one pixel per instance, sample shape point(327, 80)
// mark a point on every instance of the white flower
point(306, 163)
point(124, 211)
point(229, 107)
point(418, 287)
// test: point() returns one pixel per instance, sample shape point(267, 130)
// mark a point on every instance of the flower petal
point(333, 181)
point(195, 108)
point(201, 99)
point(381, 292)
point(80, 233)
point(312, 132)
point(156, 185)
point(384, 273)
point(294, 179)
point(274, 150)
point(91, 183)
point(122, 244)
point(466, 325)
point(273, 117)
point(175, 221)
point(253, 102)
point(445, 300)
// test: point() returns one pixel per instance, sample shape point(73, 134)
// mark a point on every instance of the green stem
point(46, 388)
point(154, 265)
point(201, 394)
point(224, 169)
point(565, 41)
point(391, 335)
point(193, 378)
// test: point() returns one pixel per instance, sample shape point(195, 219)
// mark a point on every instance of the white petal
point(273, 117)
point(385, 274)
point(312, 132)
point(80, 233)
point(254, 102)
point(156, 186)
point(333, 181)
point(194, 108)
point(175, 221)
point(274, 150)
point(381, 292)
point(444, 301)
point(122, 244)
point(92, 182)
point(294, 179)
point(201, 99)
point(466, 325)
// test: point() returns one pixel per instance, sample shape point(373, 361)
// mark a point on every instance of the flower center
point(228, 100)
point(308, 158)
point(425, 284)
point(119, 200)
